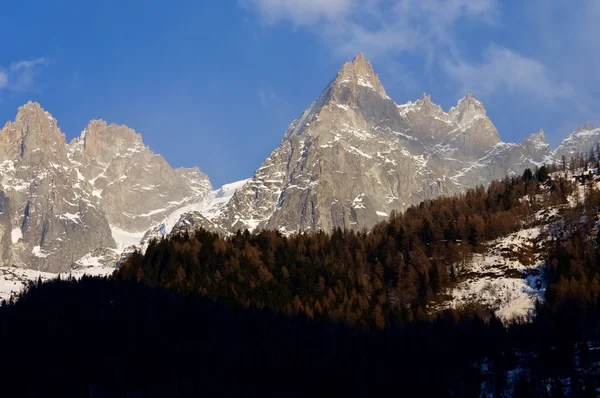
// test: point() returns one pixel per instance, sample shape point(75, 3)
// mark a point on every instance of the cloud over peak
point(504, 69)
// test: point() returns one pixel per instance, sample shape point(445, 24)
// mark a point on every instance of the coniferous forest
point(347, 313)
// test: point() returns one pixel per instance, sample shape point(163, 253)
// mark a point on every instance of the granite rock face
point(54, 220)
point(58, 201)
point(354, 156)
point(137, 187)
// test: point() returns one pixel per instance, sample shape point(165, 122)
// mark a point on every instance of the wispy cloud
point(300, 12)
point(21, 76)
point(266, 98)
point(379, 26)
point(3, 78)
point(504, 70)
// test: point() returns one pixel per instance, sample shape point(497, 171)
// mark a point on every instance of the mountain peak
point(585, 127)
point(359, 72)
point(468, 109)
point(536, 141)
point(360, 59)
point(34, 136)
point(539, 137)
point(469, 100)
point(31, 108)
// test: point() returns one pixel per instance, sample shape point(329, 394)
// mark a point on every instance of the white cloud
point(21, 75)
point(379, 27)
point(25, 65)
point(3, 78)
point(266, 98)
point(503, 69)
point(301, 12)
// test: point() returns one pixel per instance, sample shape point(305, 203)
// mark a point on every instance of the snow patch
point(125, 239)
point(16, 235)
point(38, 252)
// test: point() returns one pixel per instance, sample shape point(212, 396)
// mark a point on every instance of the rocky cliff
point(59, 201)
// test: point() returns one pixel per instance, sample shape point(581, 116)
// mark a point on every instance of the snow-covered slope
point(209, 208)
point(581, 141)
point(508, 277)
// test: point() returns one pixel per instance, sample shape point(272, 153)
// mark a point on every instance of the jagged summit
point(359, 73)
point(585, 127)
point(538, 138)
point(356, 84)
point(535, 145)
point(467, 109)
point(30, 105)
point(34, 133)
point(32, 109)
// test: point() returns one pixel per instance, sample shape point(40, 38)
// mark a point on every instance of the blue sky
point(215, 84)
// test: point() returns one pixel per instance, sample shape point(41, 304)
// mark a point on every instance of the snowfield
point(507, 278)
point(13, 280)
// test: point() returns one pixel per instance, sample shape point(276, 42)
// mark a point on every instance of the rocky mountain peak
point(536, 145)
point(585, 127)
point(104, 141)
point(359, 73)
point(536, 138)
point(468, 109)
point(34, 136)
point(355, 87)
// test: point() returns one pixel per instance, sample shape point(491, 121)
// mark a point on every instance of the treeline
point(384, 277)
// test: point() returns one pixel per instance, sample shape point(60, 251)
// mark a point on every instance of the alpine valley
point(349, 161)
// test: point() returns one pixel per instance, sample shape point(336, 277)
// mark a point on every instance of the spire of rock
point(356, 83)
point(359, 73)
point(468, 109)
point(585, 127)
point(537, 138)
point(535, 142)
point(34, 129)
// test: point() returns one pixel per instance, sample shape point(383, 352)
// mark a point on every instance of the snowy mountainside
point(202, 213)
point(584, 139)
point(508, 277)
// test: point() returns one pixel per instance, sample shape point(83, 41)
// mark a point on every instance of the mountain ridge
point(349, 160)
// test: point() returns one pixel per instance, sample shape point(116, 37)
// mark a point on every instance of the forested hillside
point(383, 277)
